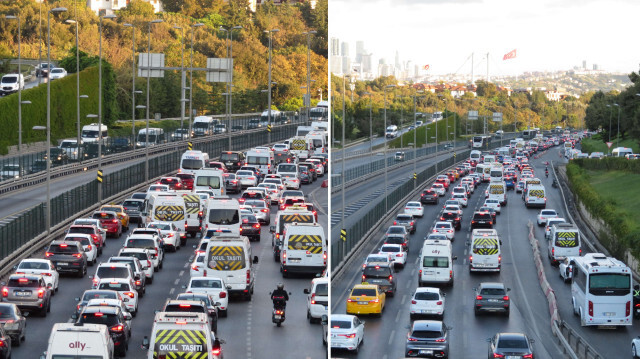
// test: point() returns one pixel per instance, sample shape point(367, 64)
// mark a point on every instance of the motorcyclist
point(279, 296)
point(546, 171)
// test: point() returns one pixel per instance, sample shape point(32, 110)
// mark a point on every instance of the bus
point(529, 134)
point(601, 291)
point(480, 141)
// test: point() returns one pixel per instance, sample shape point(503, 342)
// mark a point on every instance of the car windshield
point(492, 291)
point(394, 240)
point(23, 283)
point(390, 249)
point(6, 312)
point(435, 262)
point(396, 230)
point(426, 334)
point(322, 290)
point(114, 286)
point(112, 272)
point(340, 324)
point(426, 296)
point(443, 226)
point(224, 216)
point(160, 226)
point(205, 283)
point(141, 243)
point(99, 295)
point(377, 271)
point(34, 265)
point(513, 343)
point(99, 318)
point(363, 292)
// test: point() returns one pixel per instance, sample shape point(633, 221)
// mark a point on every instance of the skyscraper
point(345, 49)
point(398, 65)
point(335, 46)
point(359, 51)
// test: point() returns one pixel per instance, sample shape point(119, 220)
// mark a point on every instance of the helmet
point(280, 286)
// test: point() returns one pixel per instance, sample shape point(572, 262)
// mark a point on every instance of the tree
point(137, 8)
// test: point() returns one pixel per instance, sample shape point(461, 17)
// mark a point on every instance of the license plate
point(609, 314)
point(22, 294)
point(363, 303)
point(62, 264)
point(426, 352)
point(294, 260)
point(493, 300)
point(513, 357)
point(426, 311)
point(278, 316)
point(246, 227)
point(376, 281)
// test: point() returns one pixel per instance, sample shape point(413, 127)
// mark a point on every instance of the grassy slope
point(595, 144)
point(622, 188)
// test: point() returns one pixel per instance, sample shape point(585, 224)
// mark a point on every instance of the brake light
point(590, 308)
point(440, 340)
point(48, 254)
point(470, 259)
point(628, 311)
point(412, 339)
point(195, 268)
point(5, 292)
point(478, 297)
point(223, 294)
point(215, 351)
point(63, 245)
point(117, 328)
point(506, 297)
point(313, 298)
point(364, 277)
point(528, 356)
point(115, 221)
point(130, 294)
point(41, 293)
point(99, 314)
point(495, 355)
point(77, 255)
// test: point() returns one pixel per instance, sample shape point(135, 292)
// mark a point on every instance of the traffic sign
point(99, 177)
point(497, 117)
point(609, 144)
point(343, 234)
point(473, 115)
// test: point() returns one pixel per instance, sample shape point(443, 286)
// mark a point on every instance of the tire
point(412, 317)
point(155, 269)
point(476, 312)
point(149, 280)
point(160, 265)
point(279, 324)
point(43, 312)
point(224, 313)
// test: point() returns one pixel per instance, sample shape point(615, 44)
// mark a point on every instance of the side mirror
point(531, 340)
point(126, 300)
point(272, 229)
point(217, 304)
point(77, 299)
point(324, 320)
point(184, 287)
point(306, 291)
point(636, 287)
point(127, 316)
point(255, 259)
point(137, 277)
point(508, 289)
point(454, 258)
point(289, 293)
point(145, 343)
point(91, 276)
point(43, 355)
point(49, 286)
point(15, 267)
point(488, 340)
point(156, 311)
point(228, 287)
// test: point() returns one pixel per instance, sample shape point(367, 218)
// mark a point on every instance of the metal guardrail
point(18, 233)
point(239, 141)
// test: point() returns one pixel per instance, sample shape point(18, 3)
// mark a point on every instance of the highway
point(385, 336)
point(247, 331)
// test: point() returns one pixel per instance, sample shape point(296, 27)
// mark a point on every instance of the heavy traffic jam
point(229, 212)
point(451, 235)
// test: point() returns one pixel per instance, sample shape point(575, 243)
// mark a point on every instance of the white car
point(445, 228)
point(125, 288)
point(44, 267)
point(212, 286)
point(277, 181)
point(90, 249)
point(415, 209)
point(280, 147)
point(635, 346)
point(197, 266)
point(550, 223)
point(144, 256)
point(427, 301)
point(57, 73)
point(493, 203)
point(453, 208)
point(439, 189)
point(376, 258)
point(158, 188)
point(247, 178)
point(395, 252)
point(347, 332)
point(545, 214)
point(469, 181)
point(274, 191)
point(170, 234)
point(565, 269)
point(461, 198)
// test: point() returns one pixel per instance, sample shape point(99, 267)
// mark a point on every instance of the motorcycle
point(279, 306)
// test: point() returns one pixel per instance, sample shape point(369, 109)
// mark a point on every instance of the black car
point(428, 338)
point(134, 208)
point(233, 160)
point(452, 217)
point(311, 169)
point(39, 165)
point(121, 144)
point(90, 150)
point(59, 156)
point(490, 210)
point(429, 196)
point(250, 227)
point(481, 220)
point(381, 274)
point(5, 344)
point(67, 257)
point(13, 322)
point(517, 345)
point(114, 319)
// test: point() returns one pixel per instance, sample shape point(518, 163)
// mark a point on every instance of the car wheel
point(160, 265)
point(155, 269)
point(412, 316)
point(149, 280)
point(223, 313)
point(476, 312)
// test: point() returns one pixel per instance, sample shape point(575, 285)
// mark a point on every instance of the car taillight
point(313, 298)
point(148, 263)
point(364, 277)
point(215, 351)
point(5, 292)
point(590, 308)
point(374, 300)
point(399, 255)
point(412, 339)
point(528, 356)
point(495, 355)
point(352, 335)
point(506, 297)
point(48, 254)
point(138, 282)
point(223, 294)
point(40, 293)
point(440, 340)
point(130, 294)
point(117, 328)
point(115, 221)
point(478, 297)
point(77, 255)
point(470, 259)
point(628, 311)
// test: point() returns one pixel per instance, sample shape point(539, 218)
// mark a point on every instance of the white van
point(167, 207)
point(535, 196)
point(291, 214)
point(70, 146)
point(436, 263)
point(475, 156)
point(498, 190)
point(304, 249)
point(155, 137)
point(222, 213)
point(182, 335)
point(264, 160)
point(489, 158)
point(203, 126)
point(11, 83)
point(90, 133)
point(480, 167)
point(229, 257)
point(193, 160)
point(289, 173)
point(564, 242)
point(496, 173)
point(391, 132)
point(621, 151)
point(484, 252)
point(318, 140)
point(209, 179)
point(70, 340)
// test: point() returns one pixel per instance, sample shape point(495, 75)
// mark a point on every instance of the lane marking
point(404, 298)
point(393, 332)
point(398, 316)
point(175, 282)
point(181, 273)
point(172, 291)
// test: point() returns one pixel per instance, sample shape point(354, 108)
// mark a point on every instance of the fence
point(25, 226)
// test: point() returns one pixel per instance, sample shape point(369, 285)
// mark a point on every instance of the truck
point(203, 126)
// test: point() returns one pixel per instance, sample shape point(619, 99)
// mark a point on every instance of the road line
point(404, 298)
point(398, 316)
point(181, 273)
point(176, 281)
point(391, 336)
point(172, 291)
point(185, 265)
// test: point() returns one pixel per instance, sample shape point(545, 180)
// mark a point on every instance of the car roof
point(432, 325)
point(347, 317)
point(365, 286)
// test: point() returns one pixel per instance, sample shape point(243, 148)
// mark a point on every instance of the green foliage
point(137, 8)
point(212, 20)
point(63, 110)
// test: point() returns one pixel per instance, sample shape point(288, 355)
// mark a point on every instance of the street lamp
point(48, 128)
point(309, 33)
point(269, 93)
point(17, 17)
point(370, 125)
point(146, 152)
point(193, 29)
point(618, 133)
point(111, 16)
point(415, 137)
point(78, 96)
point(385, 146)
point(133, 81)
point(182, 76)
point(229, 83)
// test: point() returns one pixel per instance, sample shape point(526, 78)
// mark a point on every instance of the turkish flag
point(426, 67)
point(509, 55)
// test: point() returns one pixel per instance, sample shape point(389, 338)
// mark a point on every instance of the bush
point(609, 164)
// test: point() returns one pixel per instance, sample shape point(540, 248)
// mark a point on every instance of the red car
point(443, 182)
point(110, 222)
point(91, 230)
point(174, 183)
point(187, 180)
point(218, 165)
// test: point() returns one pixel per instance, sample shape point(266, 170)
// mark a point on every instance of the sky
point(548, 35)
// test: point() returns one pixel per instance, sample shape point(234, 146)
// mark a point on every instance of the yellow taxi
point(366, 299)
point(124, 217)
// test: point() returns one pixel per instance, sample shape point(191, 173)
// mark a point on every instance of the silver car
point(491, 297)
point(261, 210)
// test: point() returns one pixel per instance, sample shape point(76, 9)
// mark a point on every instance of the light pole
point(344, 120)
point(269, 90)
point(370, 125)
point(133, 82)
point(100, 107)
point(309, 33)
point(48, 129)
point(75, 22)
point(385, 145)
point(618, 133)
point(415, 139)
point(610, 115)
point(229, 83)
point(193, 29)
point(146, 140)
point(182, 76)
point(17, 17)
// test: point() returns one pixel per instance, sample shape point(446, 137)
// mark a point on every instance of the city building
point(108, 7)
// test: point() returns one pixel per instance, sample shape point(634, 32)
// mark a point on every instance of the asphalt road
point(248, 330)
